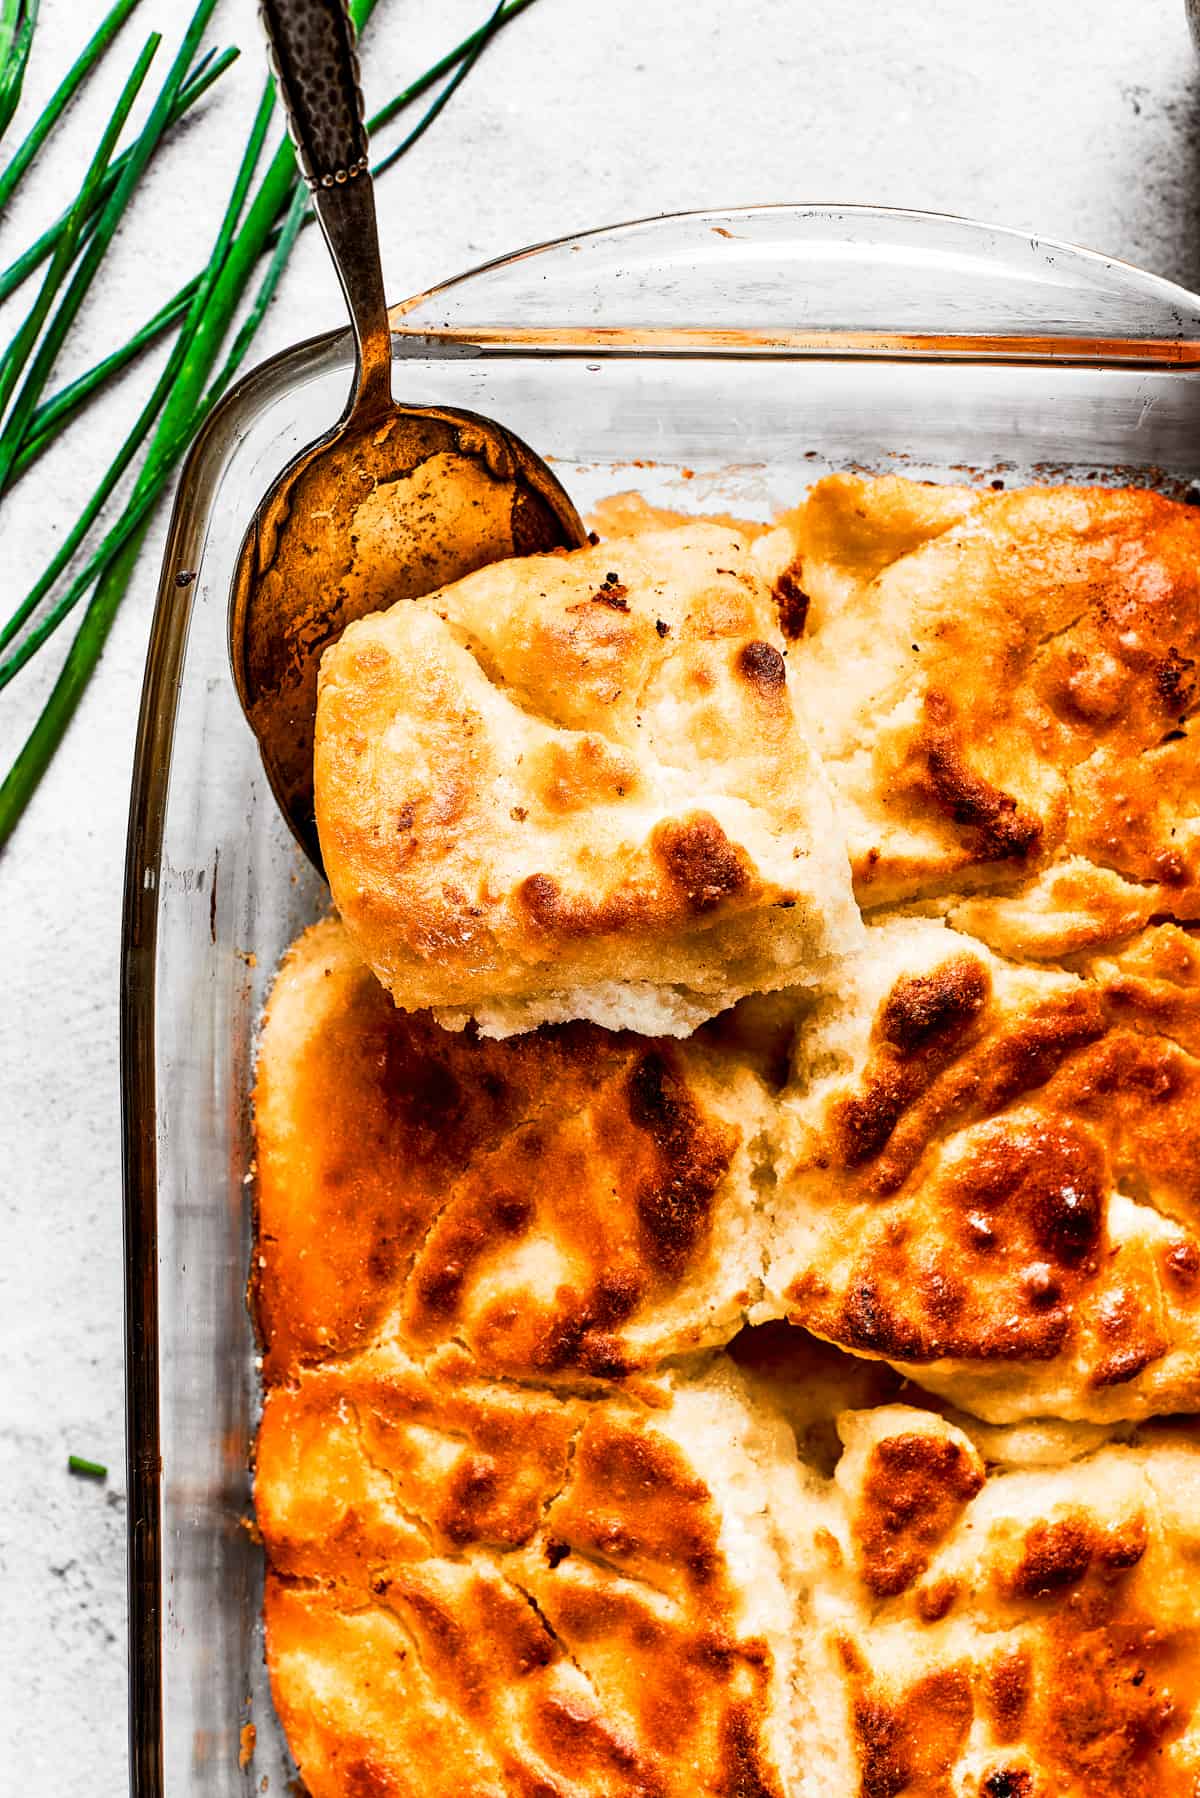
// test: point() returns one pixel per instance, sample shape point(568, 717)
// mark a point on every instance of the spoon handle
point(313, 55)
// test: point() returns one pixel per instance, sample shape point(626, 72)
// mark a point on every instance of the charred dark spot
point(1122, 1548)
point(382, 1261)
point(936, 1600)
point(741, 1769)
point(868, 1322)
point(542, 898)
point(404, 817)
point(1056, 1555)
point(1007, 1688)
point(916, 1740)
point(675, 1204)
point(763, 666)
point(866, 1121)
point(1004, 832)
point(439, 1288)
point(924, 1006)
point(652, 1105)
point(792, 603)
point(604, 1356)
point(612, 594)
point(1170, 867)
point(701, 861)
point(1041, 1286)
point(1068, 1214)
point(573, 1339)
point(556, 1550)
point(1183, 1265)
point(1008, 1782)
point(512, 1213)
point(662, 627)
point(574, 1730)
point(473, 1488)
point(615, 1296)
point(1124, 1364)
point(1175, 681)
point(420, 1093)
point(915, 1488)
point(1044, 1042)
point(942, 1295)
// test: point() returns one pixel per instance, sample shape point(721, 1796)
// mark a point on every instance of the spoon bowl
point(394, 501)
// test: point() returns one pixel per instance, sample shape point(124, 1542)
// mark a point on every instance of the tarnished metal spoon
point(395, 500)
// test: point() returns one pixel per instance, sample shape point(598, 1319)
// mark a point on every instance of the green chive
point(18, 352)
point(118, 553)
point(62, 96)
point(145, 419)
point(472, 43)
point(208, 69)
point(482, 39)
point(189, 404)
point(56, 413)
point(95, 1470)
point(17, 21)
point(53, 417)
point(140, 153)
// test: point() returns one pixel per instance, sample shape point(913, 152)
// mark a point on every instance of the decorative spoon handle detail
point(313, 54)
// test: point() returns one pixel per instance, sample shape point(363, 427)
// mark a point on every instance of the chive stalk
point(19, 350)
point(62, 96)
point(148, 414)
point(115, 558)
point(111, 566)
point(208, 69)
point(57, 412)
point(17, 21)
point(141, 151)
point(94, 1470)
point(482, 38)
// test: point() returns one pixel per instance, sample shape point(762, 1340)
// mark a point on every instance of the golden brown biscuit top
point(530, 1531)
point(1001, 691)
point(992, 1179)
point(579, 786)
point(677, 1602)
point(1045, 1638)
point(980, 1172)
point(591, 1635)
point(569, 1203)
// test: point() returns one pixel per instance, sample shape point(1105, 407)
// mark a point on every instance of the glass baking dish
point(711, 360)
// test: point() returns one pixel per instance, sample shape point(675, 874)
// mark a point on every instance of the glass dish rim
point(152, 764)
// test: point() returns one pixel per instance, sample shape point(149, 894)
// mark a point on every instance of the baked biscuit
point(986, 1173)
point(982, 1172)
point(505, 1591)
point(599, 1620)
point(1011, 1630)
point(1002, 692)
point(570, 1203)
point(531, 1531)
point(578, 786)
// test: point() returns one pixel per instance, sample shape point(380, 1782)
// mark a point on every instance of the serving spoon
point(393, 501)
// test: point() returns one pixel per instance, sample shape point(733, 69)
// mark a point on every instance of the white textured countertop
point(1080, 122)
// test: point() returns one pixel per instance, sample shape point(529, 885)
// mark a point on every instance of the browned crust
point(1004, 685)
point(914, 1492)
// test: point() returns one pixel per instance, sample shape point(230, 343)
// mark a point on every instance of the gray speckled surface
point(1082, 122)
